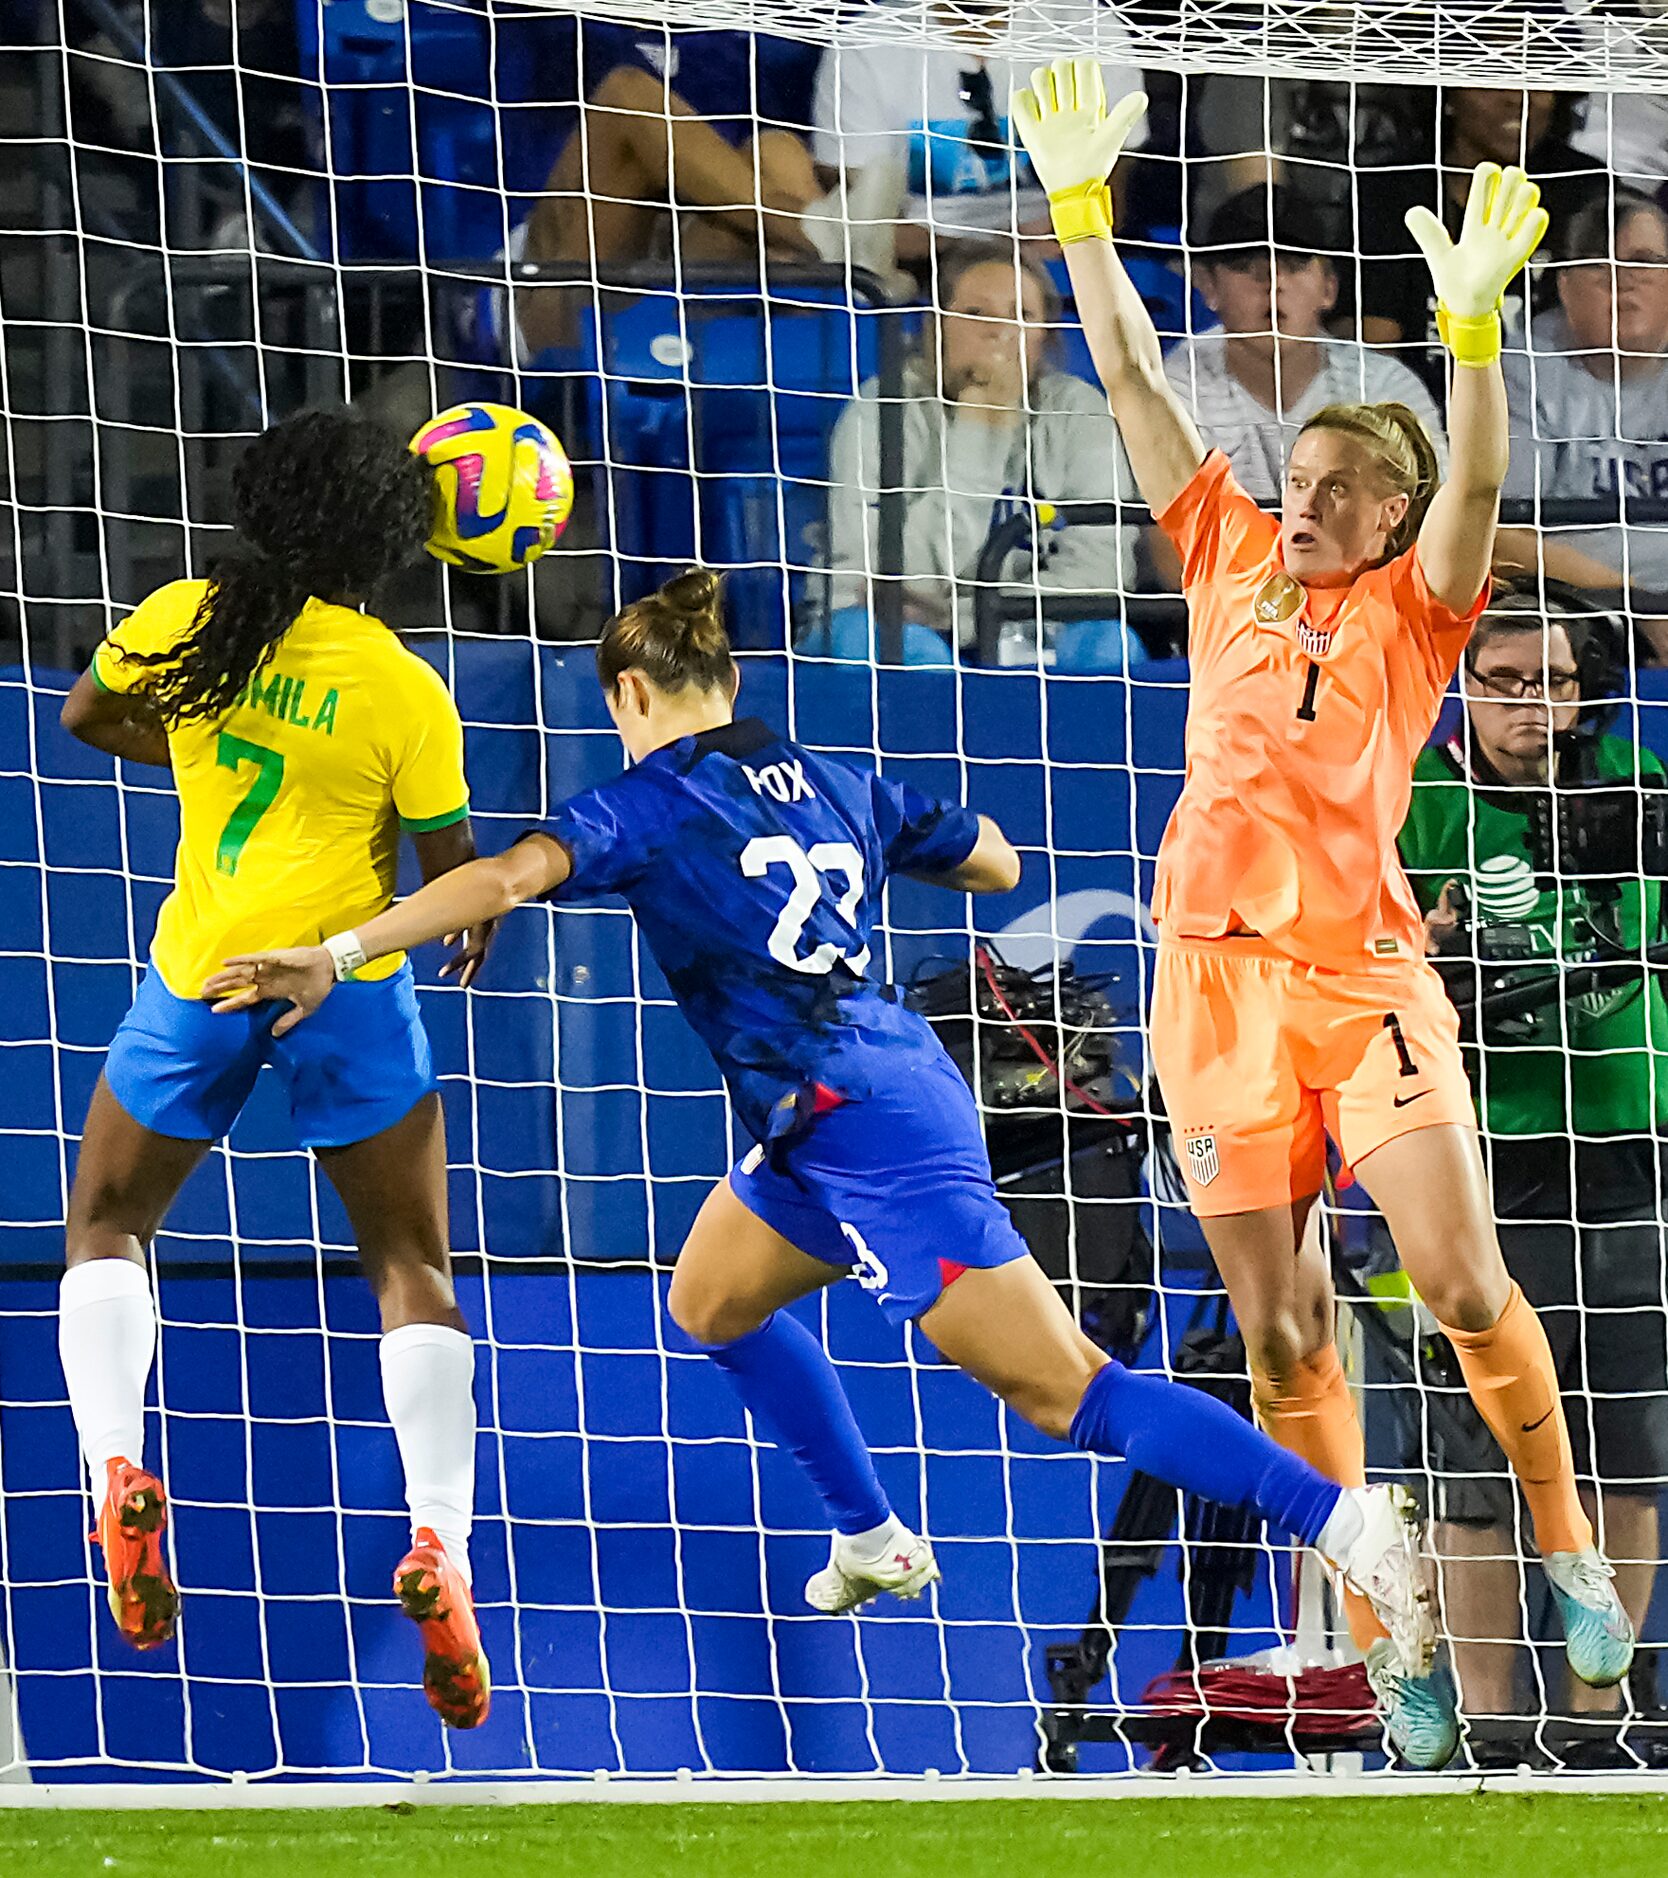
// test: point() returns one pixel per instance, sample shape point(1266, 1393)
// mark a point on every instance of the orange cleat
point(433, 1595)
point(131, 1523)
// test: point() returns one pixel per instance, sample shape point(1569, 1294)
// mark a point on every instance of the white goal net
point(777, 276)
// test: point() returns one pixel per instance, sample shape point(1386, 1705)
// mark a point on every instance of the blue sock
point(783, 1375)
point(1190, 1440)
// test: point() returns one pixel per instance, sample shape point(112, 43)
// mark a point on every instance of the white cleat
point(848, 1584)
point(1383, 1565)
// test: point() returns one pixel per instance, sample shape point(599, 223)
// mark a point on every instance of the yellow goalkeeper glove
point(1504, 224)
point(1073, 142)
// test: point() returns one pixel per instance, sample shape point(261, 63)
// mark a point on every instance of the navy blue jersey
point(754, 867)
point(732, 80)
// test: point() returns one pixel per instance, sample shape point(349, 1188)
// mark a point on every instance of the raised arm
point(1504, 224)
point(1073, 142)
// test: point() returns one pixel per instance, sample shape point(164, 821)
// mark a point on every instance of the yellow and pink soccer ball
point(503, 487)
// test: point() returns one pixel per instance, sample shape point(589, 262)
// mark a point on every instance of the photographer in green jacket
point(1571, 1079)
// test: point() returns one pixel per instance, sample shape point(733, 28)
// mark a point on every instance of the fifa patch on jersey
point(1278, 599)
point(1385, 948)
point(1202, 1163)
point(1310, 643)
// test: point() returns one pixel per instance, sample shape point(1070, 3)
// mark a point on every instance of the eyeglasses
point(983, 133)
point(1558, 686)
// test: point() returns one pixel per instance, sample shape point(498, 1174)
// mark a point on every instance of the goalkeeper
point(1291, 998)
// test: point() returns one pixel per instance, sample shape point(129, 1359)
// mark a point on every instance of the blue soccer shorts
point(359, 1064)
point(896, 1186)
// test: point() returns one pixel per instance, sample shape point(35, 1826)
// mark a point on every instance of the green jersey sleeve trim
point(100, 680)
point(428, 823)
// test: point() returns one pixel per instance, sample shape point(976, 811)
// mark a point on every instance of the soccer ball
point(503, 487)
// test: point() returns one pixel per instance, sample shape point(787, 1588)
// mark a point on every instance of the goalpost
point(209, 228)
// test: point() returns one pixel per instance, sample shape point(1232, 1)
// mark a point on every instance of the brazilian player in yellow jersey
point(304, 739)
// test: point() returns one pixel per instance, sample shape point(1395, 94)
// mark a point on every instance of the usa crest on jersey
point(1202, 1162)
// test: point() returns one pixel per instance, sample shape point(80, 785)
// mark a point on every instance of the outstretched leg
point(126, 1178)
point(1007, 1327)
point(734, 1278)
point(393, 1187)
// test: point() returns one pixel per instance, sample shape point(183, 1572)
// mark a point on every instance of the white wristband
point(346, 954)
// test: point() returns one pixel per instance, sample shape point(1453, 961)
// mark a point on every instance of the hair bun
point(695, 592)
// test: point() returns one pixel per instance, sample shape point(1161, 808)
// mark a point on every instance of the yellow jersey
point(292, 802)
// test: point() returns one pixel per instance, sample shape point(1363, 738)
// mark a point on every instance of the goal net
point(778, 279)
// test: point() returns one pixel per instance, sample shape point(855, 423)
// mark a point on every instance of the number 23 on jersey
point(811, 870)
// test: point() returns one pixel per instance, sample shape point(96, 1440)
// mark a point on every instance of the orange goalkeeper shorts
point(1261, 1058)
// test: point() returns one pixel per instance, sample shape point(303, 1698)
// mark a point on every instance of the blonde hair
point(674, 637)
point(1400, 447)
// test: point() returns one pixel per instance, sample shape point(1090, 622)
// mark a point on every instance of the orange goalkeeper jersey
point(1306, 709)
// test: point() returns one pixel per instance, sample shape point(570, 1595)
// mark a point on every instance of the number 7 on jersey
point(232, 753)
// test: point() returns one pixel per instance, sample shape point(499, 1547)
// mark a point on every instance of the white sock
point(1344, 1525)
point(428, 1388)
point(870, 1547)
point(106, 1343)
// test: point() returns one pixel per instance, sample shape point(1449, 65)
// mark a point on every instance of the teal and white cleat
point(1598, 1633)
point(1420, 1713)
point(847, 1584)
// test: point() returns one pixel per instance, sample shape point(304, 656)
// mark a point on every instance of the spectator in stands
point(1573, 1097)
point(945, 108)
point(1628, 133)
point(1256, 383)
point(1589, 399)
point(688, 121)
point(1315, 135)
point(988, 426)
point(1474, 126)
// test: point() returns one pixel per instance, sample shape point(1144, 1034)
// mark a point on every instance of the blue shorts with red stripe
point(896, 1186)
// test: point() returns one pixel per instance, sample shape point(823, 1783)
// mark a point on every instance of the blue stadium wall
point(637, 1620)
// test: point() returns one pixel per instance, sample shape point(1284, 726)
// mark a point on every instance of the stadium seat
point(438, 75)
point(672, 393)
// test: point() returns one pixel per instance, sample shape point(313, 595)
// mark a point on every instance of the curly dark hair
point(326, 505)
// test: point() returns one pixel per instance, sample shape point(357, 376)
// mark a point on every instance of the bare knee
point(1460, 1294)
point(785, 165)
point(1467, 1308)
point(106, 1220)
point(1279, 1343)
point(1050, 1403)
point(708, 1316)
point(629, 88)
point(412, 1284)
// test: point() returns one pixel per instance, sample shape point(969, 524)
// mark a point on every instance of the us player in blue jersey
point(754, 867)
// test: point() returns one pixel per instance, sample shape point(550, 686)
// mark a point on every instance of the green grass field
point(1456, 1836)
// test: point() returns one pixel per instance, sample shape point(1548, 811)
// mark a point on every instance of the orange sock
point(1510, 1374)
point(1310, 1412)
